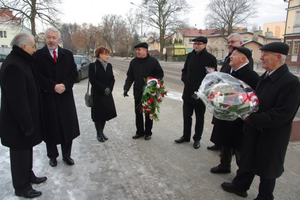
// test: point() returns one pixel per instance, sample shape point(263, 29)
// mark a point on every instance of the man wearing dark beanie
point(268, 130)
point(140, 68)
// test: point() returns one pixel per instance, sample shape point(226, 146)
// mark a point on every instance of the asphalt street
point(125, 169)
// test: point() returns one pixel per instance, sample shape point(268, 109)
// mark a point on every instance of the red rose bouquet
point(226, 97)
point(153, 94)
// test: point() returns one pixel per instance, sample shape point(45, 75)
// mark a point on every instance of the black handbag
point(88, 98)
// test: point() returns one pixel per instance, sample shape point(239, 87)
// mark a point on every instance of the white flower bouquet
point(226, 97)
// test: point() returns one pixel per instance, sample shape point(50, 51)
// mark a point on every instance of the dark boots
point(100, 135)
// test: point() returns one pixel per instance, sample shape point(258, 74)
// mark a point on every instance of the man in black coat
point(140, 68)
point(234, 39)
point(20, 120)
point(57, 73)
point(229, 134)
point(268, 130)
point(193, 73)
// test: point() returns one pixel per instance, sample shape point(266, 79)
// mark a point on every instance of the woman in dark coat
point(102, 80)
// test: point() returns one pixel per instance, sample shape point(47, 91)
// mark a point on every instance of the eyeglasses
point(198, 44)
point(233, 41)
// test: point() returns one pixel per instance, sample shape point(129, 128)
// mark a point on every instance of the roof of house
point(6, 15)
point(196, 32)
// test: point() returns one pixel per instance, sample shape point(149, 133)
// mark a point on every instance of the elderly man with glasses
point(193, 72)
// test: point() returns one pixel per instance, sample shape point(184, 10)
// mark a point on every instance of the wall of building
point(277, 28)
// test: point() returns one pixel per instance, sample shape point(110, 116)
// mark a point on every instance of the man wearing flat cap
point(268, 130)
point(193, 73)
point(140, 68)
point(229, 134)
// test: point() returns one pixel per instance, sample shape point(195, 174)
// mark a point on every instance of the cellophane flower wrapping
point(153, 94)
point(226, 97)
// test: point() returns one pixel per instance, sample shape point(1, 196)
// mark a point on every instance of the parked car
point(2, 58)
point(221, 61)
point(82, 63)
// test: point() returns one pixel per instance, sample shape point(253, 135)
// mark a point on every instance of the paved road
point(125, 169)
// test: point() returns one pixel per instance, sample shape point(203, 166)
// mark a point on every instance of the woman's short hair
point(101, 50)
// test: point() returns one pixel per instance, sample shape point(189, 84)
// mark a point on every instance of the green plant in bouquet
point(153, 94)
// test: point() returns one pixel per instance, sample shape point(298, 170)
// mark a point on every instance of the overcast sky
point(91, 11)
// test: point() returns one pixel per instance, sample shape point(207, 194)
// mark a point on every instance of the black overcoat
point(230, 133)
point(20, 102)
point(194, 72)
point(59, 111)
point(103, 106)
point(266, 140)
point(140, 69)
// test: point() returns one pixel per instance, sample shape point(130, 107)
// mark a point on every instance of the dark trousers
point(52, 151)
point(139, 121)
point(226, 156)
point(243, 181)
point(21, 169)
point(188, 110)
point(100, 126)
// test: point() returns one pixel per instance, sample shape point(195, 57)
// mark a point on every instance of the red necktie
point(54, 56)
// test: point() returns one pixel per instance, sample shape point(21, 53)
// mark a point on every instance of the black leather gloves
point(125, 94)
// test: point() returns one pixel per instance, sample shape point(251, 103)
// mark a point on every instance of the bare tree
point(129, 33)
point(87, 37)
point(112, 26)
point(28, 11)
point(67, 32)
point(227, 14)
point(163, 15)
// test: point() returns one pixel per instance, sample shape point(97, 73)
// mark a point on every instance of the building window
point(297, 21)
point(289, 43)
point(3, 34)
point(296, 47)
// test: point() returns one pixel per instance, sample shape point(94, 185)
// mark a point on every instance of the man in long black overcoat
point(268, 130)
point(57, 73)
point(20, 119)
point(193, 73)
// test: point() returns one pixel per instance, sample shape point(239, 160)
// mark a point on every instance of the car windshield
point(77, 60)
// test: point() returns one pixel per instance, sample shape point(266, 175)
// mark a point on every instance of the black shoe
point(29, 194)
point(214, 148)
point(220, 170)
point(147, 137)
point(69, 161)
point(104, 137)
point(230, 187)
point(137, 136)
point(197, 144)
point(53, 162)
point(38, 180)
point(100, 138)
point(181, 140)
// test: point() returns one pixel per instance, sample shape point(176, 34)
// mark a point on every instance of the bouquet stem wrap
point(153, 94)
point(226, 97)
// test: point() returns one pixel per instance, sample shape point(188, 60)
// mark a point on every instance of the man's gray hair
point(53, 30)
point(21, 39)
point(237, 35)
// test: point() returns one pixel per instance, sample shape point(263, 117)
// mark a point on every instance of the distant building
point(9, 27)
point(217, 43)
point(292, 34)
point(274, 29)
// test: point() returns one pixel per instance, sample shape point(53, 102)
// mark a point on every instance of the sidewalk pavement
point(125, 169)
